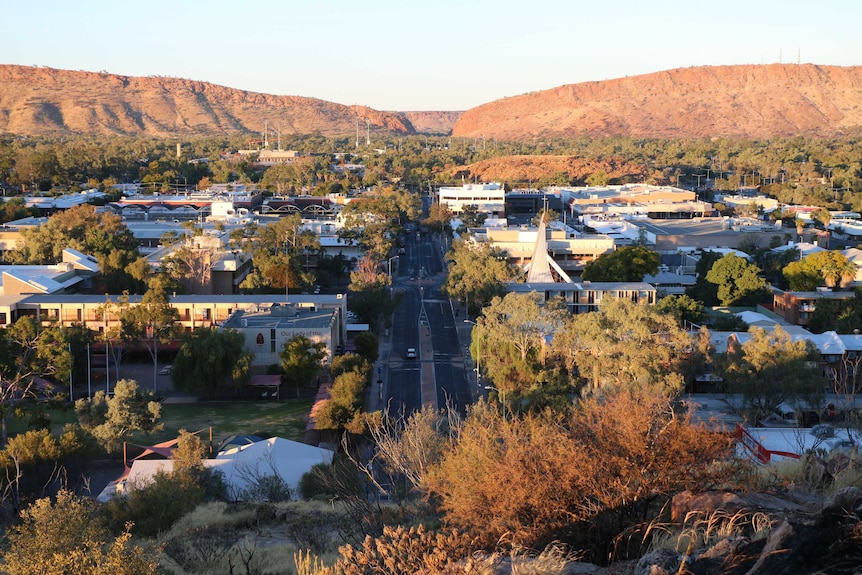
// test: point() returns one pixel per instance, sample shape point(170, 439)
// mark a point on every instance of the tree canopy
point(301, 359)
point(738, 281)
point(625, 345)
point(103, 235)
point(826, 268)
point(210, 359)
point(477, 274)
point(113, 418)
point(770, 368)
point(627, 264)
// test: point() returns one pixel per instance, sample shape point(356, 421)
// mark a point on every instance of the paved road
point(424, 321)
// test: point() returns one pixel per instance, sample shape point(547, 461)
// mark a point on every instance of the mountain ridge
point(749, 101)
point(37, 101)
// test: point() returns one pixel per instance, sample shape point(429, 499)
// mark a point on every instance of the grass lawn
point(266, 419)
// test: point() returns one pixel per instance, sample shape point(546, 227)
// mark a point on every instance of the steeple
point(540, 266)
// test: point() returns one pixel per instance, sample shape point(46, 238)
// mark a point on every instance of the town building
point(74, 272)
point(487, 198)
point(268, 330)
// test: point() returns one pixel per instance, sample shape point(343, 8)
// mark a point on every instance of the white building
point(488, 198)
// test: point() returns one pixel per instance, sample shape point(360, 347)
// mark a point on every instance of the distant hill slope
point(745, 101)
point(36, 101)
point(439, 123)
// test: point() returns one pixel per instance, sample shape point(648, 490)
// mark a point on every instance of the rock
point(841, 504)
point(659, 562)
point(705, 504)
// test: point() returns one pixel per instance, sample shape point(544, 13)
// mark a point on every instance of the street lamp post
point(389, 261)
point(151, 331)
point(478, 354)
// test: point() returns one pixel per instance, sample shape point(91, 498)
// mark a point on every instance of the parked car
point(411, 353)
point(166, 370)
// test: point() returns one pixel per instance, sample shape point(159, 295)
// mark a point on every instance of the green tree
point(598, 179)
point(151, 323)
point(738, 281)
point(439, 218)
point(370, 293)
point(210, 359)
point(367, 345)
point(66, 537)
point(684, 308)
point(477, 274)
point(15, 209)
point(27, 354)
point(510, 339)
point(111, 419)
point(103, 235)
point(343, 408)
point(301, 359)
point(820, 268)
point(770, 368)
point(624, 345)
point(471, 217)
point(627, 264)
point(703, 290)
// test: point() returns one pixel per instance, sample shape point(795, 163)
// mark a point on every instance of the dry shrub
point(541, 477)
point(553, 560)
point(403, 550)
point(215, 515)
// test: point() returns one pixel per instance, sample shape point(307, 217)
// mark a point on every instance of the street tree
point(301, 359)
point(738, 281)
point(210, 359)
point(624, 345)
point(370, 293)
point(510, 340)
point(152, 322)
point(112, 419)
point(770, 368)
point(477, 274)
point(627, 264)
point(439, 218)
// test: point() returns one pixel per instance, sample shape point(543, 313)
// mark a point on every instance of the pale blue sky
point(421, 55)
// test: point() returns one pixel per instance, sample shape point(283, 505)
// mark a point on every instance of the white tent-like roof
point(241, 466)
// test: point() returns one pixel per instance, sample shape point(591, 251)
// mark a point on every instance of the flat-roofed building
point(488, 198)
point(585, 297)
point(267, 331)
point(571, 250)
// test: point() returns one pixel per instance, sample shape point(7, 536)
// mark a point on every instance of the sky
point(421, 55)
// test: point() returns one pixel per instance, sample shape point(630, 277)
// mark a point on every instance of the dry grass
point(221, 538)
point(700, 530)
